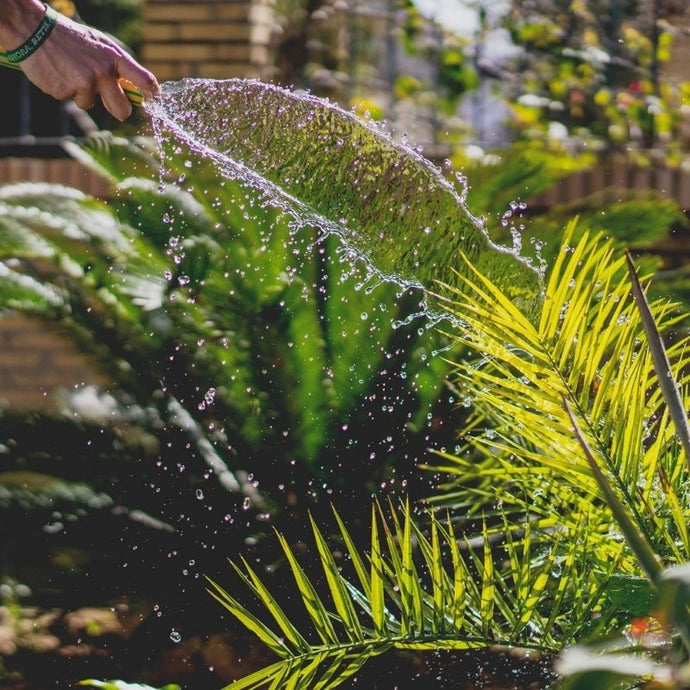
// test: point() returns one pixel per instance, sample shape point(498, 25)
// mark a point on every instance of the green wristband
point(35, 41)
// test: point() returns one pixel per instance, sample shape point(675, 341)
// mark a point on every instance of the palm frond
point(420, 590)
point(587, 347)
point(115, 158)
point(121, 685)
point(662, 366)
point(246, 265)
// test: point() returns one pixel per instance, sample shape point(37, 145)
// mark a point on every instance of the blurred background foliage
point(513, 98)
point(120, 18)
point(592, 73)
point(587, 73)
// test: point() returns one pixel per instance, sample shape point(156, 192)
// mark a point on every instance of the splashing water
point(394, 212)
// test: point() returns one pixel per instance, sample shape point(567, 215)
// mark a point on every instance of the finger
point(139, 76)
point(84, 100)
point(114, 99)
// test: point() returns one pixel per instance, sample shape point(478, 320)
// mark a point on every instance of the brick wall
point(57, 170)
point(216, 39)
point(36, 361)
point(612, 174)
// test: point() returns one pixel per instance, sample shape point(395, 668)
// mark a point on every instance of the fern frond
point(586, 347)
point(115, 158)
point(422, 589)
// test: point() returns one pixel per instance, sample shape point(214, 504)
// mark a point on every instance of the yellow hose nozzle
point(131, 91)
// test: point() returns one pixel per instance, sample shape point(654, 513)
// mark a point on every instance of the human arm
point(75, 61)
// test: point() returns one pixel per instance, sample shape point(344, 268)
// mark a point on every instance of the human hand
point(82, 63)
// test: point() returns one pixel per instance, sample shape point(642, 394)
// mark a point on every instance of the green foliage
point(594, 68)
point(528, 563)
point(501, 185)
point(497, 180)
point(231, 334)
point(585, 348)
point(455, 73)
point(647, 653)
point(630, 595)
point(31, 490)
point(416, 589)
point(670, 585)
point(293, 286)
point(595, 363)
point(243, 368)
point(637, 220)
point(532, 555)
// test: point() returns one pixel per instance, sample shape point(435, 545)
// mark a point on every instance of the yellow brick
point(168, 71)
point(233, 52)
point(71, 362)
point(160, 32)
point(196, 12)
point(176, 51)
point(164, 71)
point(28, 340)
point(49, 378)
point(14, 360)
point(26, 400)
point(259, 55)
point(212, 32)
point(233, 11)
point(242, 52)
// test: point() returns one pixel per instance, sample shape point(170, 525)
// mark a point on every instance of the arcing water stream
point(394, 212)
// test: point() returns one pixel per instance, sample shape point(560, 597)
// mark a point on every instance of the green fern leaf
point(23, 293)
point(585, 346)
point(339, 592)
point(415, 600)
